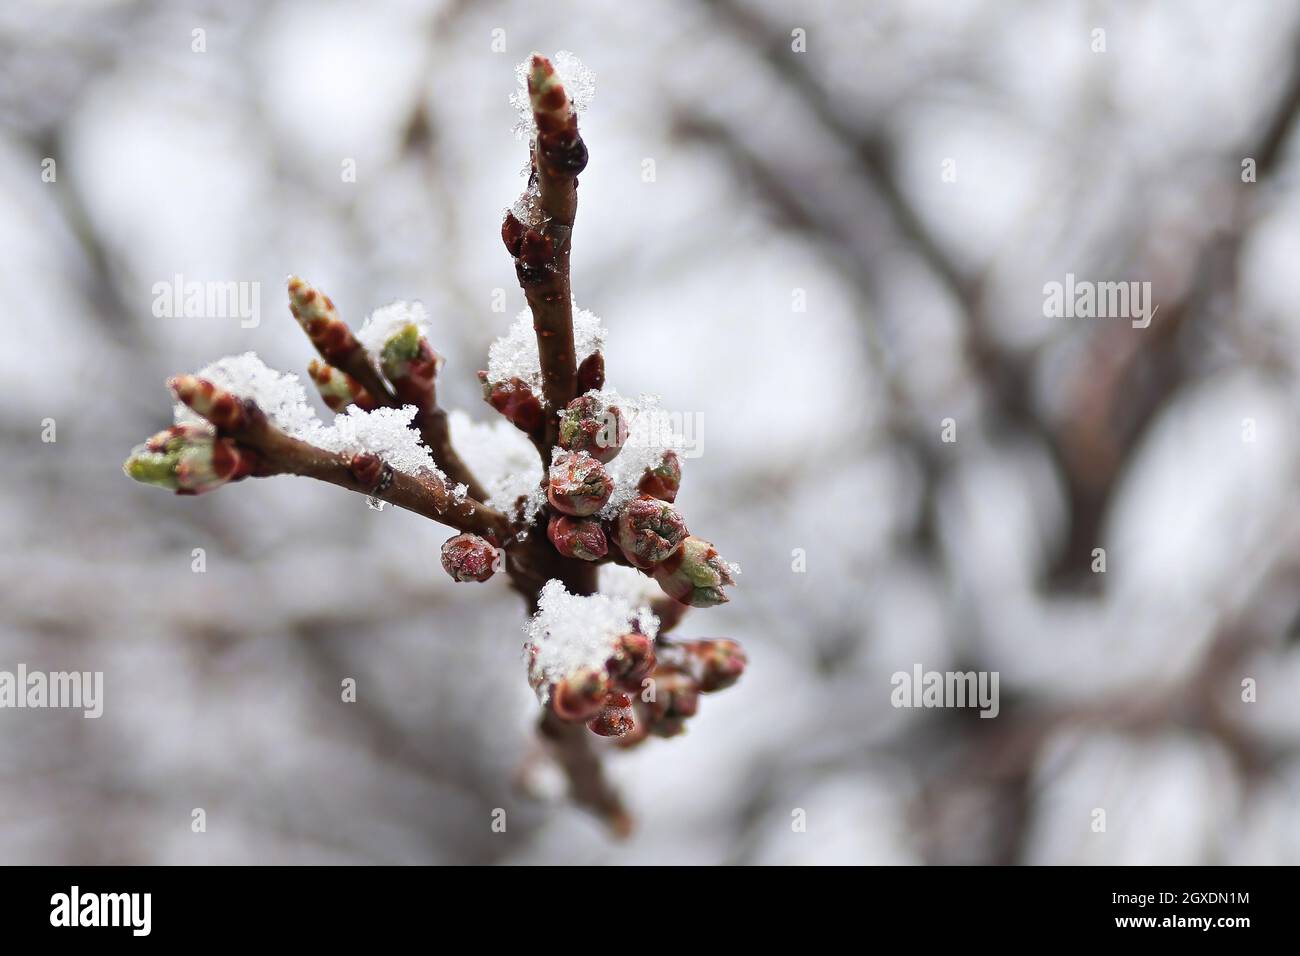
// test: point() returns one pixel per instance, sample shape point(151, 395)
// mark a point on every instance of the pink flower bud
point(649, 530)
point(578, 484)
point(224, 409)
point(676, 699)
point(580, 538)
point(467, 557)
point(715, 664)
point(516, 401)
point(315, 312)
point(633, 661)
point(663, 480)
point(591, 373)
point(694, 574)
point(338, 389)
point(615, 718)
point(512, 233)
point(581, 695)
point(588, 424)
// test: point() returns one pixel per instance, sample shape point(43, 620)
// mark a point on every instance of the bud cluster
point(684, 670)
point(587, 654)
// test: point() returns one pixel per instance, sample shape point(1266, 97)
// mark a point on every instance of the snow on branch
point(576, 476)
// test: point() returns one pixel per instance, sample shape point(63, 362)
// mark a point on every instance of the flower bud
point(591, 373)
point(411, 364)
point(515, 400)
point(188, 459)
point(637, 734)
point(676, 698)
point(512, 233)
point(694, 574)
point(371, 472)
point(536, 259)
point(649, 530)
point(224, 409)
point(633, 661)
point(715, 664)
point(588, 424)
point(581, 695)
point(578, 484)
point(580, 538)
point(560, 149)
point(338, 389)
point(316, 314)
point(615, 718)
point(663, 480)
point(467, 557)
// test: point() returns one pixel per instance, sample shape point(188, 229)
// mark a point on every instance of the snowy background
point(733, 180)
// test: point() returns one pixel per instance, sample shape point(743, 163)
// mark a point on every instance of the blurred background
point(825, 233)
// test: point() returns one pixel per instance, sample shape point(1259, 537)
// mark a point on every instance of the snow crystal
point(387, 432)
point(514, 355)
point(579, 82)
point(620, 581)
point(503, 459)
point(651, 432)
point(278, 394)
point(570, 632)
point(387, 320)
point(528, 208)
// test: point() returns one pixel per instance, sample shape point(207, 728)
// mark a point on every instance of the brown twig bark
point(432, 423)
point(426, 494)
point(588, 786)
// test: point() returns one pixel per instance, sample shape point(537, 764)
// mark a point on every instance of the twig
point(277, 453)
point(588, 786)
point(542, 250)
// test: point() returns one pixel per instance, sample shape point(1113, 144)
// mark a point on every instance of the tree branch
point(273, 452)
point(416, 386)
point(541, 248)
point(588, 786)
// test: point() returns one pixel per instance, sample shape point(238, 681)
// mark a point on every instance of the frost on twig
point(578, 482)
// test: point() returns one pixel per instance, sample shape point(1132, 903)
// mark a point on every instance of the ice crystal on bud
point(592, 425)
point(467, 557)
point(389, 320)
point(571, 634)
point(528, 208)
point(578, 484)
point(649, 530)
point(651, 433)
point(578, 80)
